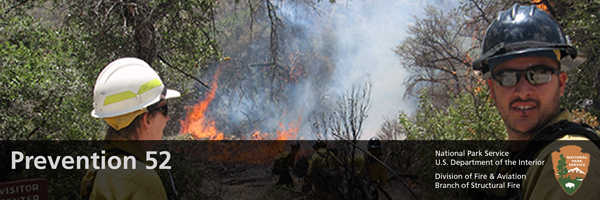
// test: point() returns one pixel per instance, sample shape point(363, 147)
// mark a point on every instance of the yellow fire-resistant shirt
point(139, 183)
point(376, 171)
point(284, 161)
point(320, 161)
point(540, 181)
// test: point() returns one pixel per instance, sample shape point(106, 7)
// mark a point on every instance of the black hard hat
point(374, 143)
point(524, 31)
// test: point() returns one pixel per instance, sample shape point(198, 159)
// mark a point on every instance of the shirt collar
point(129, 146)
point(563, 115)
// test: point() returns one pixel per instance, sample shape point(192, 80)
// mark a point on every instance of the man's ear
point(562, 82)
point(490, 84)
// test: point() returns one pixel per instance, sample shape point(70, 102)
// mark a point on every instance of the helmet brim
point(172, 94)
point(569, 63)
point(565, 57)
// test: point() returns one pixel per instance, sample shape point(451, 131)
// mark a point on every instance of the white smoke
point(358, 36)
point(366, 32)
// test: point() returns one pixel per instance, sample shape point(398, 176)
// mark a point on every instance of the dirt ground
point(258, 183)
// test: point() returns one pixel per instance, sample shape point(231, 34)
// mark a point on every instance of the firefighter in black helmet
point(376, 172)
point(525, 31)
point(369, 169)
point(524, 58)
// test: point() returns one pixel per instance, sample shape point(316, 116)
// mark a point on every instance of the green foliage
point(470, 116)
point(43, 91)
point(581, 22)
point(177, 38)
point(49, 65)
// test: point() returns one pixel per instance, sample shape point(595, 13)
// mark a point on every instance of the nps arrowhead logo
point(570, 167)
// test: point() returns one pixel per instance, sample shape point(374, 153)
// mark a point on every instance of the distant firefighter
point(282, 164)
point(368, 167)
point(323, 177)
point(376, 171)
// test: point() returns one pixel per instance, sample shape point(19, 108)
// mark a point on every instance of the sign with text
point(30, 189)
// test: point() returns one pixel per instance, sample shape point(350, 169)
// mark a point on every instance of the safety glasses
point(536, 75)
point(163, 109)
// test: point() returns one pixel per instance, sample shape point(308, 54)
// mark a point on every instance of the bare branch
point(183, 72)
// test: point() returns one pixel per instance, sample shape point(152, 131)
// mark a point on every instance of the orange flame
point(296, 71)
point(540, 5)
point(292, 132)
point(197, 123)
point(283, 133)
point(202, 127)
point(226, 151)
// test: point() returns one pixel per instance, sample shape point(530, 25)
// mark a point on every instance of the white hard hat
point(126, 85)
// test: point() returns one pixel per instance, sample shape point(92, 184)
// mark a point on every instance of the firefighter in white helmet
point(130, 96)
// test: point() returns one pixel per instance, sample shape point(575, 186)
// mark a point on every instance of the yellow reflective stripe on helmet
point(149, 85)
point(122, 96)
point(119, 97)
point(557, 52)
